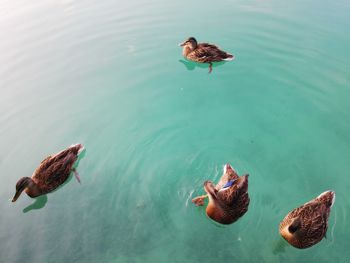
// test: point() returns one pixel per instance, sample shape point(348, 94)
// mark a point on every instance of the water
point(109, 75)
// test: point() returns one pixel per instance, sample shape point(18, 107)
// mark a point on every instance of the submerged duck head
point(306, 225)
point(210, 189)
point(190, 43)
point(21, 185)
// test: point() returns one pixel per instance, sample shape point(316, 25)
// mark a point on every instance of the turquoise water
point(111, 76)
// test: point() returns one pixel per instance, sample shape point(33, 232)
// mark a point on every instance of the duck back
point(55, 170)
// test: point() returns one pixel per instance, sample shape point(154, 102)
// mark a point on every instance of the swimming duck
point(307, 225)
point(203, 52)
point(229, 199)
point(51, 173)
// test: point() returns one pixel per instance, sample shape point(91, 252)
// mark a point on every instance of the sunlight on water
point(111, 76)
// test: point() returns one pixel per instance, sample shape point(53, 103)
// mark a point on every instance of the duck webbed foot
point(199, 200)
point(210, 67)
point(76, 174)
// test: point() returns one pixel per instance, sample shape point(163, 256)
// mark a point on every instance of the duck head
point(190, 43)
point(209, 187)
point(21, 185)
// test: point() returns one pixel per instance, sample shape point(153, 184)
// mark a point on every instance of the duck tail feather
point(327, 197)
point(79, 147)
point(229, 57)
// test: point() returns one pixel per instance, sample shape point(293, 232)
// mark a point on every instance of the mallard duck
point(51, 173)
point(307, 225)
point(203, 52)
point(229, 199)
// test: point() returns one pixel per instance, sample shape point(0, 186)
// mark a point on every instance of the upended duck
point(306, 225)
point(52, 172)
point(229, 199)
point(203, 52)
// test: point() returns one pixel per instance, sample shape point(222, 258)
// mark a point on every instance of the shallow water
point(111, 76)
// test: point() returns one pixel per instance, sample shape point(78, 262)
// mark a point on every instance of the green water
point(109, 74)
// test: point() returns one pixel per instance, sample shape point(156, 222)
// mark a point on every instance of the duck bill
point(182, 44)
point(17, 194)
point(210, 189)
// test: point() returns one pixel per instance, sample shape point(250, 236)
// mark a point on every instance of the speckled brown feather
point(229, 174)
point(313, 222)
point(55, 170)
point(231, 203)
point(205, 53)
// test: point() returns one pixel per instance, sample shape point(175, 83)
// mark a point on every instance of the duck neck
point(186, 50)
point(214, 209)
point(33, 189)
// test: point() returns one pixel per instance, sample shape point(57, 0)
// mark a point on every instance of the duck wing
point(319, 220)
point(236, 196)
point(314, 221)
point(206, 53)
point(55, 170)
point(234, 201)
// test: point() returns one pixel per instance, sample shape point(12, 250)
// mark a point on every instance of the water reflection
point(190, 65)
point(80, 156)
point(280, 246)
point(39, 203)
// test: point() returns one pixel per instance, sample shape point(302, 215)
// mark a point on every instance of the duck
point(228, 199)
point(203, 52)
point(307, 225)
point(52, 172)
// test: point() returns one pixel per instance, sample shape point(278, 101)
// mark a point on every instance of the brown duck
point(229, 199)
point(307, 225)
point(203, 52)
point(51, 173)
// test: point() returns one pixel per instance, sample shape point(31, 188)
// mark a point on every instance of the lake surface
point(111, 76)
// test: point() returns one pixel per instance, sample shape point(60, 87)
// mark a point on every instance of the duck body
point(229, 199)
point(203, 52)
point(52, 172)
point(307, 225)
